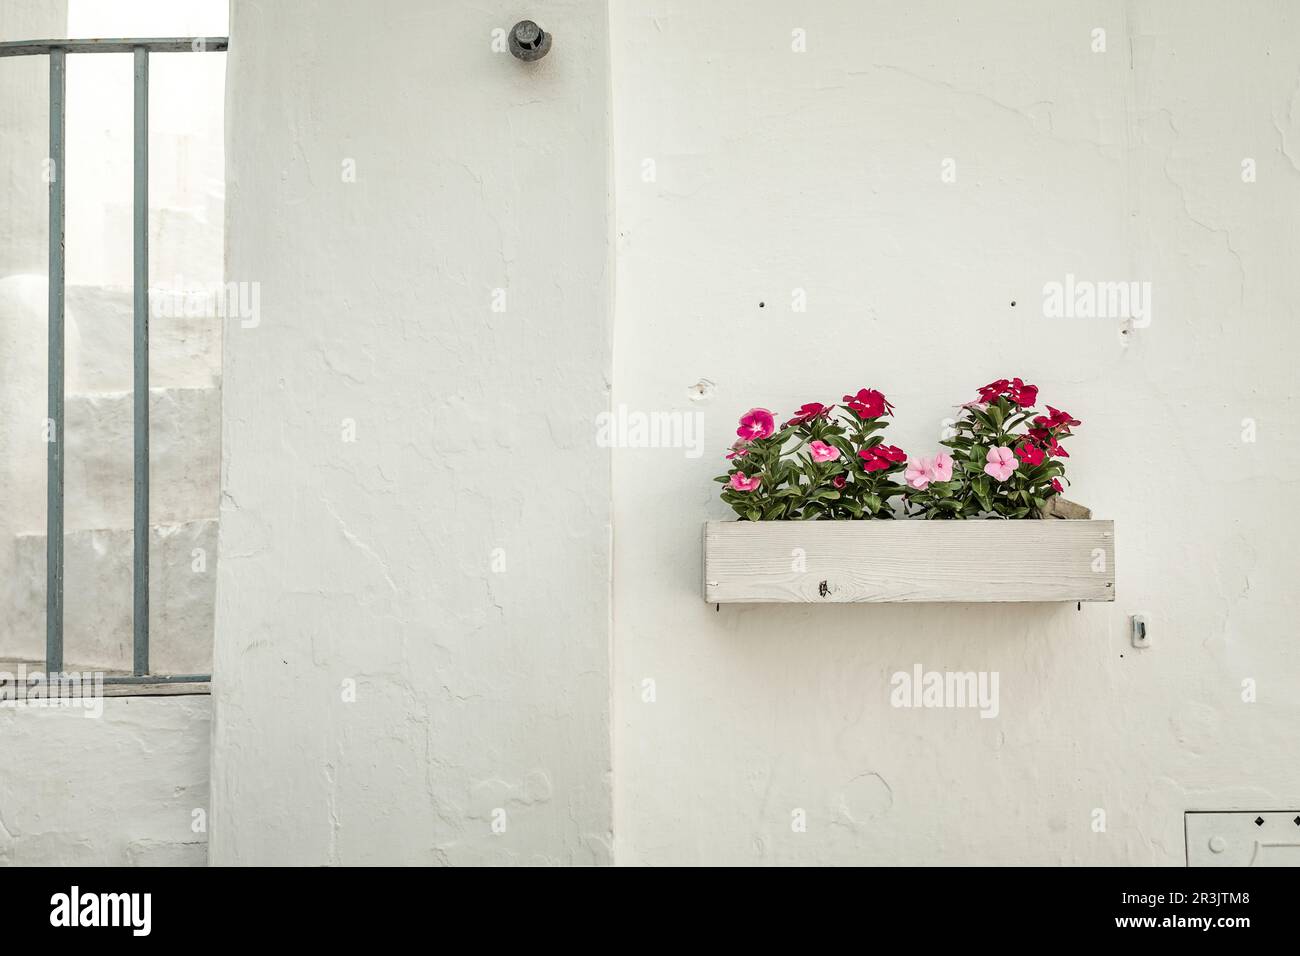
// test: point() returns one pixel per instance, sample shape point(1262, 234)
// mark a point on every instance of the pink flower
point(918, 473)
point(880, 457)
point(742, 483)
point(921, 472)
point(738, 450)
point(869, 403)
point(838, 481)
point(1030, 454)
point(941, 467)
point(1001, 463)
point(808, 412)
point(822, 451)
point(755, 424)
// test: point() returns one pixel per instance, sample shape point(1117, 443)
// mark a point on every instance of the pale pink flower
point(922, 471)
point(919, 473)
point(1002, 462)
point(822, 451)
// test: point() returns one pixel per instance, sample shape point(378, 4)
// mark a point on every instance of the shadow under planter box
point(813, 562)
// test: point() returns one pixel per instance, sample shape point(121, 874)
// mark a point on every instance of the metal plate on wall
point(1243, 837)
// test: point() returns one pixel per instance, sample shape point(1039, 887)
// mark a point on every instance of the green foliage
point(794, 486)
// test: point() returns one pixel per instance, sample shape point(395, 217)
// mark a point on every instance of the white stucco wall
point(117, 790)
point(778, 170)
point(412, 502)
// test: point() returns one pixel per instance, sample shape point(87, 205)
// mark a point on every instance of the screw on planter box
point(528, 41)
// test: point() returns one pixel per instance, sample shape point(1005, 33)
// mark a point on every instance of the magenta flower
point(822, 451)
point(808, 412)
point(869, 403)
point(755, 424)
point(1001, 463)
point(738, 450)
point(838, 481)
point(1056, 421)
point(742, 483)
point(880, 457)
point(1056, 486)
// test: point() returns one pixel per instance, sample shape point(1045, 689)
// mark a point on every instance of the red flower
point(1056, 420)
point(991, 391)
point(1056, 486)
point(1040, 435)
point(880, 457)
point(869, 403)
point(1022, 394)
point(1055, 450)
point(838, 481)
point(1030, 454)
point(807, 413)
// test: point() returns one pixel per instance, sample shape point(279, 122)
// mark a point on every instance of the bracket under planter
point(815, 562)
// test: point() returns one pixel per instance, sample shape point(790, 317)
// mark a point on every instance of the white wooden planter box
point(813, 562)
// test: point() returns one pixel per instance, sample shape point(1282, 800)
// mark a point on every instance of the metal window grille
point(57, 51)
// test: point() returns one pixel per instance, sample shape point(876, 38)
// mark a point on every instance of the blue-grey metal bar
point(54, 378)
point(117, 45)
point(141, 353)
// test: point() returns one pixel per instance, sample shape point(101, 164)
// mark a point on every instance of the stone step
point(184, 352)
point(99, 462)
point(98, 596)
point(184, 457)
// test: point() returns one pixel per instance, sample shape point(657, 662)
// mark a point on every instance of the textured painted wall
point(746, 170)
point(412, 608)
point(120, 790)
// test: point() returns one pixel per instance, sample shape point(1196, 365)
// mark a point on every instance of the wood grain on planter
point(881, 561)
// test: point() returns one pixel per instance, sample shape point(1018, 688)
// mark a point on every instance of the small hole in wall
point(762, 304)
point(1013, 303)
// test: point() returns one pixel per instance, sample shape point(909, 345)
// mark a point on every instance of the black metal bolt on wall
point(528, 41)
